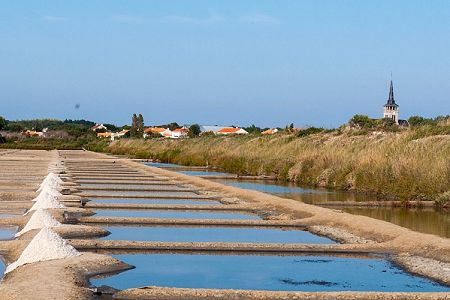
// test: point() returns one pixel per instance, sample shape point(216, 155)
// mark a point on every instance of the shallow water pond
point(205, 173)
point(154, 201)
point(7, 232)
point(423, 220)
point(213, 234)
point(426, 221)
point(162, 165)
point(174, 214)
point(174, 192)
point(277, 273)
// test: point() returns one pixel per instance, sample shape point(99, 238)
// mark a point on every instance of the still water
point(277, 273)
point(422, 220)
point(153, 201)
point(213, 234)
point(173, 214)
point(7, 232)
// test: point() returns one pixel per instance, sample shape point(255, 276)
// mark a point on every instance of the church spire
point(391, 100)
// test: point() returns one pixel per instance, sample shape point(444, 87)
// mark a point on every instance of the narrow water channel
point(172, 214)
point(213, 234)
point(422, 220)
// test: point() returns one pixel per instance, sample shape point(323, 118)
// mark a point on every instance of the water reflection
point(423, 220)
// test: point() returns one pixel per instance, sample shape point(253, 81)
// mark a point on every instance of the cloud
point(128, 19)
point(259, 18)
point(54, 18)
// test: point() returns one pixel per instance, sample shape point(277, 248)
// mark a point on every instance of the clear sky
point(223, 62)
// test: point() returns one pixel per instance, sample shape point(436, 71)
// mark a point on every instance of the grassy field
point(409, 165)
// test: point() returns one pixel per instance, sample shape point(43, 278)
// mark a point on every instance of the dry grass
point(397, 164)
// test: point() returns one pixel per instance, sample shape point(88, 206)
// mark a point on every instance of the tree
point(111, 127)
point(362, 121)
point(3, 123)
point(253, 129)
point(140, 126)
point(133, 130)
point(194, 130)
point(420, 121)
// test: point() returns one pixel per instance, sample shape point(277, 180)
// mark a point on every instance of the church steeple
point(390, 110)
point(391, 95)
point(391, 101)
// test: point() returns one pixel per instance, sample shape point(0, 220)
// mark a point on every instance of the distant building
point(390, 109)
point(165, 132)
point(98, 127)
point(269, 131)
point(232, 130)
point(32, 133)
point(104, 134)
point(180, 133)
point(120, 134)
point(211, 128)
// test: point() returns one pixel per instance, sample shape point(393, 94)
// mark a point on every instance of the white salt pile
point(47, 190)
point(51, 179)
point(47, 201)
point(40, 219)
point(46, 245)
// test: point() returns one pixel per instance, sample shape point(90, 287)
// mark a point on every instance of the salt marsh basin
point(276, 273)
point(175, 214)
point(212, 234)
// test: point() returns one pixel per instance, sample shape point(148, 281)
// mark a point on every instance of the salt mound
point(40, 218)
point(48, 201)
point(52, 181)
point(52, 178)
point(46, 245)
point(47, 190)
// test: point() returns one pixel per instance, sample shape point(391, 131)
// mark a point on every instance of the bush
point(309, 131)
point(362, 121)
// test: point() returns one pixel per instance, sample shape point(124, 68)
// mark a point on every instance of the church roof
point(391, 101)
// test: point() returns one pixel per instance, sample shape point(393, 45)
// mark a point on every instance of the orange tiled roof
point(228, 130)
point(155, 129)
point(104, 134)
point(181, 130)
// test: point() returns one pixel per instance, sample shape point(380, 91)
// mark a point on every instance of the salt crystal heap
point(46, 190)
point(46, 245)
point(51, 180)
point(41, 218)
point(47, 201)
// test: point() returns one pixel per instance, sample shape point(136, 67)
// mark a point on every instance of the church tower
point(391, 108)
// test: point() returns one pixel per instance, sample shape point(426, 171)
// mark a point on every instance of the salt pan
point(46, 245)
point(40, 218)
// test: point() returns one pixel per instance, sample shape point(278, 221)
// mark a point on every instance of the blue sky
point(223, 62)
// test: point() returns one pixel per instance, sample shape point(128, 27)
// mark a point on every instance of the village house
point(180, 133)
point(210, 128)
point(97, 127)
point(221, 129)
point(165, 132)
point(120, 134)
point(232, 130)
point(269, 131)
point(104, 134)
point(32, 133)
